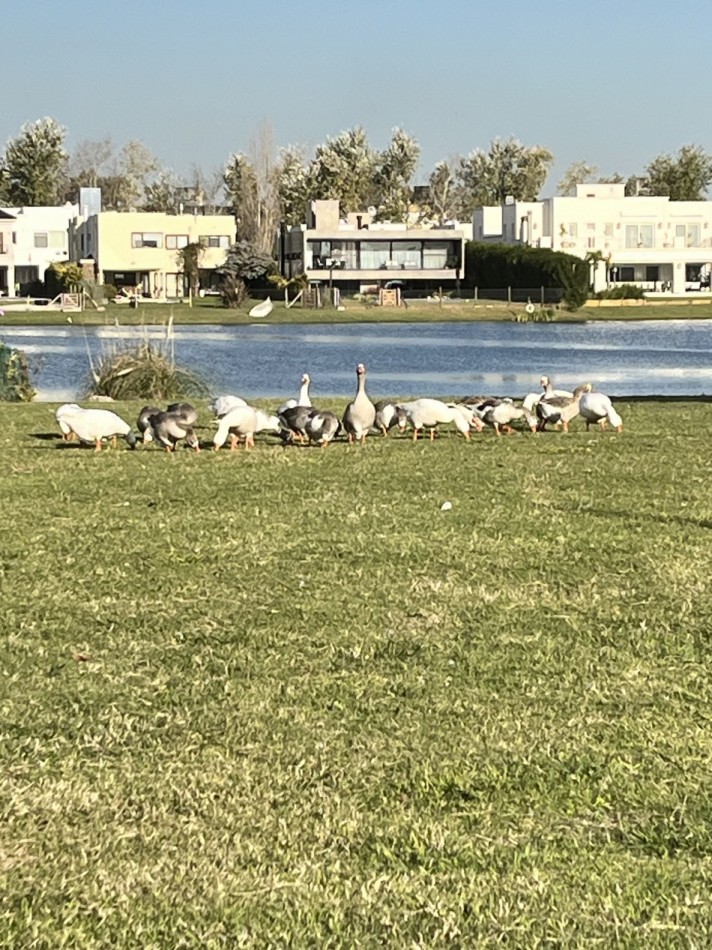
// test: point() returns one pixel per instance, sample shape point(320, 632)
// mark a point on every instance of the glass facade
point(371, 254)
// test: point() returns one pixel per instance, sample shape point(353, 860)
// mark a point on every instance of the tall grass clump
point(143, 370)
point(15, 383)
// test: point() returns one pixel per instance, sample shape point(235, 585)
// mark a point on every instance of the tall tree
point(393, 176)
point(35, 164)
point(206, 188)
point(293, 186)
point(163, 193)
point(442, 197)
point(252, 187)
point(509, 168)
point(684, 178)
point(241, 188)
point(137, 167)
point(343, 169)
point(89, 160)
point(577, 173)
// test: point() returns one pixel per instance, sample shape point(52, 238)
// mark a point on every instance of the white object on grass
point(263, 309)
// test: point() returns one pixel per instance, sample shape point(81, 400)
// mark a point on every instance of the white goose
point(430, 413)
point(223, 404)
point(240, 422)
point(95, 425)
point(66, 410)
point(303, 399)
point(598, 408)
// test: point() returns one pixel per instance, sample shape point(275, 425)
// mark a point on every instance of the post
point(476, 290)
point(440, 296)
point(542, 296)
point(509, 294)
point(190, 296)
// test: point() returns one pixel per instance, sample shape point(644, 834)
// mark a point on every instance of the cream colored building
point(661, 245)
point(140, 249)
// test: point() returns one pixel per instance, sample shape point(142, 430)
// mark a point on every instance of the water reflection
point(641, 358)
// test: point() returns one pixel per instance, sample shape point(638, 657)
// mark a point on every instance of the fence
point(539, 295)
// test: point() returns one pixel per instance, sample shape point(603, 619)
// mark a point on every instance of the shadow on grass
point(682, 520)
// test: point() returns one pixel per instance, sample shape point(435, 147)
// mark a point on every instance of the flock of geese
point(298, 421)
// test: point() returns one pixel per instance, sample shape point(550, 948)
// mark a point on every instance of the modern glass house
point(357, 254)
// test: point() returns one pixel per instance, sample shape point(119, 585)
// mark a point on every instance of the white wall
point(34, 227)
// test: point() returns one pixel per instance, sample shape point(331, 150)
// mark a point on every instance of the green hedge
point(621, 292)
point(512, 265)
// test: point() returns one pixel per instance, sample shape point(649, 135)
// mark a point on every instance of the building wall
point(143, 246)
point(39, 237)
point(643, 233)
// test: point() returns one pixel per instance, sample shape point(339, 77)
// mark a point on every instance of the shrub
point(537, 315)
point(621, 292)
point(144, 370)
point(14, 376)
point(109, 291)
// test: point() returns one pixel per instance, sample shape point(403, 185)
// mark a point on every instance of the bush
point(144, 370)
point(109, 292)
point(14, 376)
point(621, 292)
point(513, 265)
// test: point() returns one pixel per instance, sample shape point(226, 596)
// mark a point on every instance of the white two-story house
point(659, 244)
point(31, 239)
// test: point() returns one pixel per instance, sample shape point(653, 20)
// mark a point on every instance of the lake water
point(671, 357)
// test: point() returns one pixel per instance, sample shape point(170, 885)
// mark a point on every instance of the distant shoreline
point(466, 311)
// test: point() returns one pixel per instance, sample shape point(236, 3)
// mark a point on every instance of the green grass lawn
point(209, 310)
point(282, 699)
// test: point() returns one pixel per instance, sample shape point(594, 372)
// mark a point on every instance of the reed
point(143, 369)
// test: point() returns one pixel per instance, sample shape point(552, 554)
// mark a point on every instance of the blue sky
point(610, 83)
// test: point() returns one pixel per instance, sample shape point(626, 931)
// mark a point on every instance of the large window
point(688, 235)
point(322, 255)
point(639, 235)
point(435, 254)
point(214, 240)
point(375, 254)
point(146, 239)
point(407, 254)
point(175, 242)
